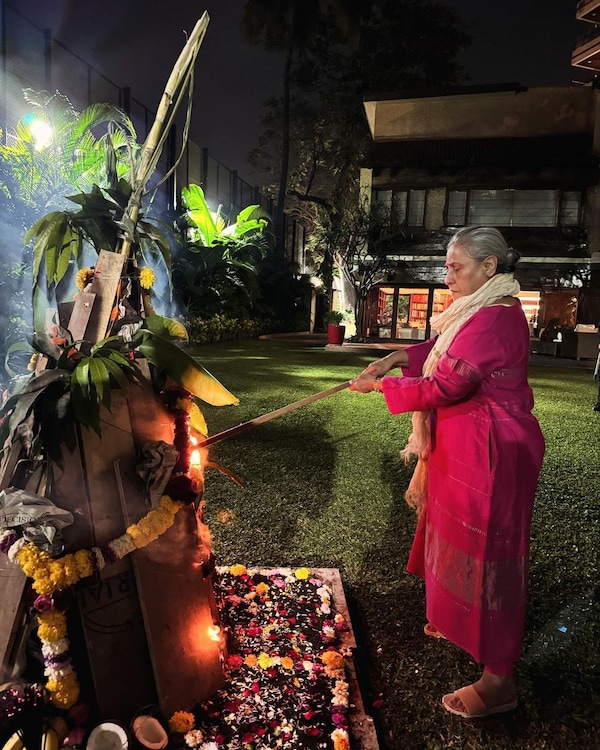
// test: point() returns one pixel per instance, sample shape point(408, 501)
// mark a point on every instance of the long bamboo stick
point(232, 431)
point(149, 156)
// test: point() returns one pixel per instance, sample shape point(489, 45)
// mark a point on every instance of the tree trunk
point(285, 149)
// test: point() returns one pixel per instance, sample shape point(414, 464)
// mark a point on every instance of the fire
point(214, 633)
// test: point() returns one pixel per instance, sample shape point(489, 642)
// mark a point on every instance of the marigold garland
point(50, 575)
point(84, 277)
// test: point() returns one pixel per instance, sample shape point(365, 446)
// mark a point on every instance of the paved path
point(379, 349)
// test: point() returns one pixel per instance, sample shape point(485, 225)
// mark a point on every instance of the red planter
point(335, 334)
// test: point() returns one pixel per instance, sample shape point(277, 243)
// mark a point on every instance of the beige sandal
point(433, 632)
point(475, 707)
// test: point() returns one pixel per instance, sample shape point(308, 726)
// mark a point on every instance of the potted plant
point(335, 331)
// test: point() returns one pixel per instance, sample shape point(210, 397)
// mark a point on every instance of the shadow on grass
point(288, 476)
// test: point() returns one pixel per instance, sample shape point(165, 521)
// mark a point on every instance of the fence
point(30, 58)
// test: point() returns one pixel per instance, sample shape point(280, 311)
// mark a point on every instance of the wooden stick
point(149, 155)
point(270, 415)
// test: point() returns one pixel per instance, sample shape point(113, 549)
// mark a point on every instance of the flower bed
point(285, 680)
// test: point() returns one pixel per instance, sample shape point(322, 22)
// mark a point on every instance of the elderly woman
point(479, 453)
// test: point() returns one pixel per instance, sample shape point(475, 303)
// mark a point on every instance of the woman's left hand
point(363, 383)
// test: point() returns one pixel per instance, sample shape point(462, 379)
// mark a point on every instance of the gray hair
point(481, 242)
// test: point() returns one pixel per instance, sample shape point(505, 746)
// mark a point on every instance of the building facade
point(522, 160)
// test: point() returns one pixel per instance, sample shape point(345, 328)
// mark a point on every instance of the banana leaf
point(183, 369)
point(197, 421)
point(17, 348)
point(166, 327)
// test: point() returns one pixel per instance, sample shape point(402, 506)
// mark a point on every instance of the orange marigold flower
point(333, 659)
point(182, 721)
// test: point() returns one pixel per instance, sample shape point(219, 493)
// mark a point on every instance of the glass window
point(569, 208)
point(416, 208)
point(535, 208)
point(519, 208)
point(404, 207)
point(457, 207)
point(399, 199)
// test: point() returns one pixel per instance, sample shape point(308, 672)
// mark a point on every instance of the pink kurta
point(472, 542)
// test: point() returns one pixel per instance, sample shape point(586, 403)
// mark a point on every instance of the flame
point(214, 632)
point(195, 459)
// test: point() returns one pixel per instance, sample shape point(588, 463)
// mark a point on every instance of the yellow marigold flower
point(287, 663)
point(261, 588)
point(170, 505)
point(251, 660)
point(52, 626)
point(302, 573)
point(333, 659)
point(64, 693)
point(265, 661)
point(147, 278)
point(237, 570)
point(182, 721)
point(83, 278)
point(31, 365)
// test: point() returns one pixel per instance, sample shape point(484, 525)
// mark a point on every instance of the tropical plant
point(334, 317)
point(219, 268)
point(79, 374)
point(80, 149)
point(41, 172)
point(58, 238)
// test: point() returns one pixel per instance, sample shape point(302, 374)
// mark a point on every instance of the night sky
point(135, 43)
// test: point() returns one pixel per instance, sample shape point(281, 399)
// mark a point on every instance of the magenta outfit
point(472, 541)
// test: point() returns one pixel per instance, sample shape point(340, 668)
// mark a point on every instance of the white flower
point(53, 648)
point(193, 738)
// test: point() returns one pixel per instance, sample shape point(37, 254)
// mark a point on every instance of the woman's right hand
point(382, 366)
point(377, 369)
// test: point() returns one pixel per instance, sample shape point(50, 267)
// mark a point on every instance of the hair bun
point(512, 258)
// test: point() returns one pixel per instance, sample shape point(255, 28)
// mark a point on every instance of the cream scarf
point(447, 324)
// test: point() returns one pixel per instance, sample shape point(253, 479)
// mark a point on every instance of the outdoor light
point(41, 130)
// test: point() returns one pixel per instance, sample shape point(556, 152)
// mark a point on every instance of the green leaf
point(198, 213)
point(81, 377)
point(184, 370)
point(166, 327)
point(117, 373)
point(43, 232)
point(100, 380)
point(197, 421)
point(18, 347)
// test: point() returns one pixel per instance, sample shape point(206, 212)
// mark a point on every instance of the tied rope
point(447, 323)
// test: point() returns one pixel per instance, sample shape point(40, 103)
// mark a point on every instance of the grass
point(324, 487)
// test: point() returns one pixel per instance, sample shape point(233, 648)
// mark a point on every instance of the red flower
point(235, 661)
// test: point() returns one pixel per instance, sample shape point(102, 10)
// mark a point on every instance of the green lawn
point(324, 487)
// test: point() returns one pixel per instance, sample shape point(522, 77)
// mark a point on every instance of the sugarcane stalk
point(153, 144)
